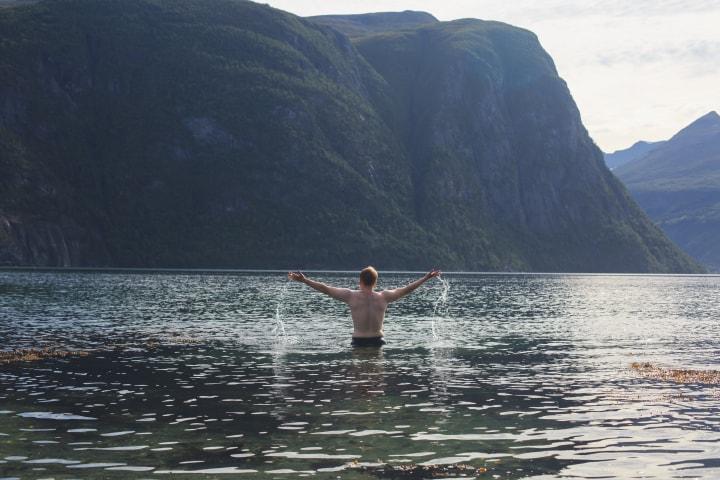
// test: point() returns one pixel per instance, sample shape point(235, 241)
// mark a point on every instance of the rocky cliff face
point(57, 243)
point(500, 156)
point(223, 133)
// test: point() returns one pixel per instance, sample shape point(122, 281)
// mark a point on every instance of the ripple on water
point(208, 471)
point(46, 461)
point(54, 416)
point(96, 465)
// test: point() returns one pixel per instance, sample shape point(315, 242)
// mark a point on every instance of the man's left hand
point(433, 273)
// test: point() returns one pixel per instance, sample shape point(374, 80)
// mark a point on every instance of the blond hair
point(368, 276)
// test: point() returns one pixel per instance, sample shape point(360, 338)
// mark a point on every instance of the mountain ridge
point(658, 169)
point(230, 134)
point(625, 155)
point(678, 185)
point(356, 25)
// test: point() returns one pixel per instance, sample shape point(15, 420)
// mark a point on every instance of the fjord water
point(529, 377)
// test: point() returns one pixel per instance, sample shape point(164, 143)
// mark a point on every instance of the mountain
point(369, 23)
point(224, 133)
point(495, 135)
point(678, 185)
point(15, 3)
point(638, 150)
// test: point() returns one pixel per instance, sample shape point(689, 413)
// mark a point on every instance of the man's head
point(368, 277)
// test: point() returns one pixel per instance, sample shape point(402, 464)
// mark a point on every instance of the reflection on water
point(530, 378)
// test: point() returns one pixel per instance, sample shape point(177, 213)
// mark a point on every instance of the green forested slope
point(223, 133)
point(200, 134)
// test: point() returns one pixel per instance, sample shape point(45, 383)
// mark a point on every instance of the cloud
point(557, 9)
point(692, 51)
point(524, 9)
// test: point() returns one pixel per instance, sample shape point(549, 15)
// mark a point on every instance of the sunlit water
point(247, 375)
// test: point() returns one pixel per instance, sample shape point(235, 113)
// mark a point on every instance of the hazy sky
point(638, 69)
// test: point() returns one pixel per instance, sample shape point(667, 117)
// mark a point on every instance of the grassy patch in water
point(649, 370)
point(36, 354)
point(413, 471)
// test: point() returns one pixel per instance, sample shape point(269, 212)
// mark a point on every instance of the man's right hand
point(296, 276)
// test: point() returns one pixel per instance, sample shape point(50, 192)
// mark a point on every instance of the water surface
point(192, 374)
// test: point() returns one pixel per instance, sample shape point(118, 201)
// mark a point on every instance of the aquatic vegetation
point(650, 370)
point(413, 471)
point(48, 353)
point(36, 354)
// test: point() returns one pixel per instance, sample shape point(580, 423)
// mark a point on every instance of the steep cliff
point(223, 133)
point(501, 158)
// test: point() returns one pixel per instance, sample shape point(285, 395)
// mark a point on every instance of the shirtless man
point(366, 305)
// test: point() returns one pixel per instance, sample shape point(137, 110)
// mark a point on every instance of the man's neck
point(366, 289)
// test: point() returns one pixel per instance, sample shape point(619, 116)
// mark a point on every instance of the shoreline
point(235, 271)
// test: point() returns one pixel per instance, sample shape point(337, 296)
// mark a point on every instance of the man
point(366, 305)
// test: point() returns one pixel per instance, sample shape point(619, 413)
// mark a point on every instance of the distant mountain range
point(678, 185)
point(638, 150)
point(225, 133)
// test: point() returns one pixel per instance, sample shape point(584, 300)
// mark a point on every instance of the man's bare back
point(366, 305)
point(368, 313)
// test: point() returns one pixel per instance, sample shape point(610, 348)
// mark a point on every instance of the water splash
point(279, 328)
point(440, 309)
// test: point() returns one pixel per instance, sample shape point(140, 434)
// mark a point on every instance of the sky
point(638, 69)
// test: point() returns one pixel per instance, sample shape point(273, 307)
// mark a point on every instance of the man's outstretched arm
point(342, 294)
point(398, 293)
